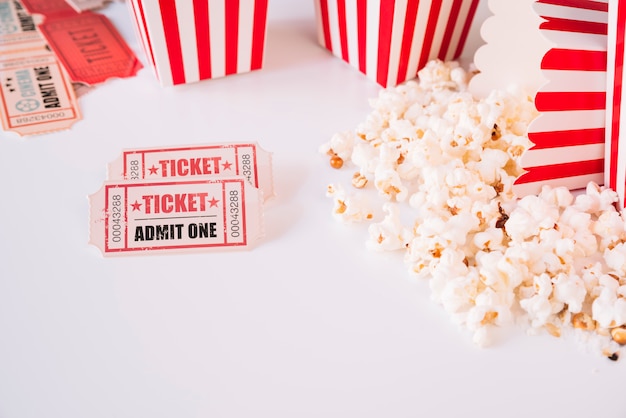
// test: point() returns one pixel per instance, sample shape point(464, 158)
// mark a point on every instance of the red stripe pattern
point(564, 152)
point(404, 35)
point(574, 60)
point(172, 39)
point(577, 26)
point(258, 36)
point(579, 4)
point(570, 101)
point(219, 37)
point(570, 138)
point(558, 171)
point(201, 17)
point(614, 175)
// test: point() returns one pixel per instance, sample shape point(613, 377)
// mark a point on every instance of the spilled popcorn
point(434, 173)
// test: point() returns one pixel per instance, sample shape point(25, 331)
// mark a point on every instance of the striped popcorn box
point(615, 153)
point(569, 134)
point(391, 40)
point(191, 40)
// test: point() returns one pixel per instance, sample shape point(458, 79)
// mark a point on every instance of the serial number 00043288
point(235, 214)
point(116, 221)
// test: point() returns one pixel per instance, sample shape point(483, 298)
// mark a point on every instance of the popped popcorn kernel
point(359, 181)
point(349, 207)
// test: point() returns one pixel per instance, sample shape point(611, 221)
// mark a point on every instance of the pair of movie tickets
point(50, 52)
point(182, 199)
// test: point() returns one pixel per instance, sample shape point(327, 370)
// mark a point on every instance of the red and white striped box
point(569, 134)
point(391, 40)
point(191, 40)
point(615, 162)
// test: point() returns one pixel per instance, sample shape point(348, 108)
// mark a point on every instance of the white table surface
point(307, 324)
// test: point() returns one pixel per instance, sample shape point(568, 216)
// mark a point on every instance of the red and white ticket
point(48, 8)
point(18, 28)
point(36, 95)
point(90, 47)
point(248, 160)
point(175, 216)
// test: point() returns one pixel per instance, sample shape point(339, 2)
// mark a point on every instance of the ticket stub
point(90, 48)
point(175, 216)
point(48, 8)
point(17, 27)
point(248, 160)
point(36, 94)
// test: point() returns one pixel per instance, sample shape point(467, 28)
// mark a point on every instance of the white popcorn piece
point(615, 259)
point(390, 234)
point(389, 184)
point(595, 199)
point(609, 227)
point(570, 289)
point(603, 306)
point(349, 207)
point(539, 306)
point(341, 144)
point(531, 216)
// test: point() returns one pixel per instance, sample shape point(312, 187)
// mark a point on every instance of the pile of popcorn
point(434, 169)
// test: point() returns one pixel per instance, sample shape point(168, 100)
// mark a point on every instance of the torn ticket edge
point(90, 47)
point(246, 159)
point(203, 214)
point(37, 94)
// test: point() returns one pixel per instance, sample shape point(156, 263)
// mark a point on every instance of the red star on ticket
point(213, 202)
point(227, 165)
point(136, 206)
point(153, 169)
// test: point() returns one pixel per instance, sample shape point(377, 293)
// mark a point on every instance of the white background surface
point(307, 324)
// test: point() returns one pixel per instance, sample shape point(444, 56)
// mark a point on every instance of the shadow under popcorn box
point(186, 41)
point(391, 40)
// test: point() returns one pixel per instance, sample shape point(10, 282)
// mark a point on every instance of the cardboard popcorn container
point(190, 40)
point(615, 155)
point(569, 134)
point(562, 62)
point(391, 40)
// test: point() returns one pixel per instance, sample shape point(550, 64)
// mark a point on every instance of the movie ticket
point(244, 159)
point(90, 48)
point(36, 94)
point(48, 8)
point(17, 27)
point(174, 216)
